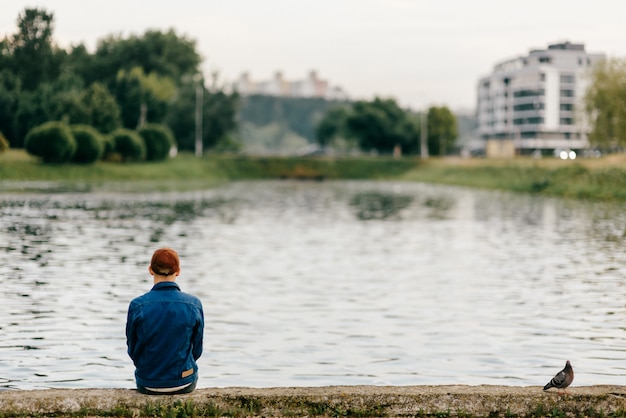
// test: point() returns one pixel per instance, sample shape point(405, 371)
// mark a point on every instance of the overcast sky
point(420, 52)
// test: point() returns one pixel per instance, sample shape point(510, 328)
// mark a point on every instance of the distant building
point(312, 86)
point(534, 102)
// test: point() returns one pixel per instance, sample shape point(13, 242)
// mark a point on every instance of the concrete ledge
point(362, 401)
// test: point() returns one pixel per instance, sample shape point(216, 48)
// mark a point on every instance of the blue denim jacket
point(164, 332)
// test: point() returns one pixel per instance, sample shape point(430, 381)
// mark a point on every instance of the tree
point(605, 105)
point(332, 125)
point(104, 112)
point(442, 130)
point(142, 97)
point(382, 125)
point(9, 101)
point(219, 115)
point(33, 57)
point(163, 53)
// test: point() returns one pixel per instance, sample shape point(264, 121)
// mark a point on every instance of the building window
point(568, 78)
point(567, 107)
point(545, 60)
point(528, 106)
point(567, 93)
point(567, 121)
point(528, 93)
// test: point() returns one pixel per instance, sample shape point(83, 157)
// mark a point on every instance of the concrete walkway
point(363, 401)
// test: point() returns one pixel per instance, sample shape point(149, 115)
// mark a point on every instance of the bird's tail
point(548, 386)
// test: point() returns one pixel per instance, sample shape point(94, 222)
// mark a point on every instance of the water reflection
point(379, 205)
point(319, 284)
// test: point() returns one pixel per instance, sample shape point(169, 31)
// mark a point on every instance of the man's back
point(164, 333)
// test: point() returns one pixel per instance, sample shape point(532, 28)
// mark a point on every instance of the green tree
point(33, 56)
point(142, 97)
point(332, 126)
point(164, 53)
point(30, 112)
point(103, 110)
point(605, 105)
point(219, 116)
point(300, 115)
point(381, 125)
point(442, 130)
point(9, 102)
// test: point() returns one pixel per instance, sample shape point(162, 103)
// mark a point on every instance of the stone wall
point(362, 401)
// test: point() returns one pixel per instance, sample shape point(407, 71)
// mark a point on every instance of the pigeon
point(562, 379)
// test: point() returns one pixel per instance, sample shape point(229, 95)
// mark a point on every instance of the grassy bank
point(595, 179)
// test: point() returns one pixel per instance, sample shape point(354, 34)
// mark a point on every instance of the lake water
point(314, 284)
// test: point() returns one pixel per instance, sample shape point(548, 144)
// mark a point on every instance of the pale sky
point(420, 52)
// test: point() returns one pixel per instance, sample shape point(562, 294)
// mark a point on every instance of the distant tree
point(103, 110)
point(219, 116)
point(142, 97)
point(301, 115)
point(61, 99)
point(332, 125)
point(30, 113)
point(57, 100)
point(381, 125)
point(605, 105)
point(34, 58)
point(219, 113)
point(164, 53)
point(9, 102)
point(442, 130)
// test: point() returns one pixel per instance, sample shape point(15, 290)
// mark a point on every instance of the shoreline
point(364, 401)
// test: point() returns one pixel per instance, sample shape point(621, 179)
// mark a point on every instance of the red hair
point(165, 261)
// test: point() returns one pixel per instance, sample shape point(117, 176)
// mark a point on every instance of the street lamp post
point(199, 100)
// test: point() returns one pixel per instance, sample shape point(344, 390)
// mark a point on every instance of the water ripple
point(319, 284)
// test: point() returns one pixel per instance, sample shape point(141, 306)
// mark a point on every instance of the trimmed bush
point(159, 140)
point(4, 143)
point(89, 144)
point(128, 145)
point(109, 147)
point(53, 142)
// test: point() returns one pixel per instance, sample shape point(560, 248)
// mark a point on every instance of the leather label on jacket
point(187, 373)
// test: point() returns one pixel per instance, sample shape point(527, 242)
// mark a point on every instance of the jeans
point(187, 389)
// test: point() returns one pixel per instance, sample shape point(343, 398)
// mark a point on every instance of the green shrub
point(128, 145)
point(53, 142)
point(4, 143)
point(159, 140)
point(89, 144)
point(109, 147)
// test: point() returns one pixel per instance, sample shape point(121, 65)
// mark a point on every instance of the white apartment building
point(534, 103)
point(312, 86)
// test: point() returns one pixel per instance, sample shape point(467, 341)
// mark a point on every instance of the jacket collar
point(166, 286)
